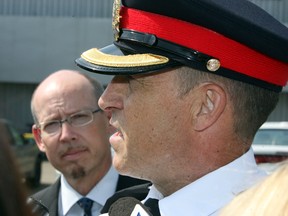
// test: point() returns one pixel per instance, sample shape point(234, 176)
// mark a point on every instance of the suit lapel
point(49, 197)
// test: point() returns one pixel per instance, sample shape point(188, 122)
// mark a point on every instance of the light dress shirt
point(209, 194)
point(68, 197)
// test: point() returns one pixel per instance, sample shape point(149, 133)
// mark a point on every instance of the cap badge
point(213, 65)
point(116, 19)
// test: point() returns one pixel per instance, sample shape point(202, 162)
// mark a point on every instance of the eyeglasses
point(78, 119)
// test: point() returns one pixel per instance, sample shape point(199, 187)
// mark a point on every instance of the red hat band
point(231, 54)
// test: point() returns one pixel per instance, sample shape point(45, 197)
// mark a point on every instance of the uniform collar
point(213, 191)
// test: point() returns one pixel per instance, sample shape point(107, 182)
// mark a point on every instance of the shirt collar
point(100, 193)
point(213, 191)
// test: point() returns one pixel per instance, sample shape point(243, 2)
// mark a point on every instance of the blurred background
point(41, 36)
point(38, 37)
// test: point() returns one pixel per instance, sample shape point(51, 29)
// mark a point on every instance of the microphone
point(128, 206)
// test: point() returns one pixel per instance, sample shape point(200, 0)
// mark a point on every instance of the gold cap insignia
point(116, 19)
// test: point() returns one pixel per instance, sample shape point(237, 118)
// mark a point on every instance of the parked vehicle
point(26, 152)
point(29, 138)
point(270, 145)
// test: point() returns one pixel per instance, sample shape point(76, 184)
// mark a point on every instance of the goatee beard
point(78, 172)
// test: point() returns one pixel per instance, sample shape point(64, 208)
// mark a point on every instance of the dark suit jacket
point(45, 202)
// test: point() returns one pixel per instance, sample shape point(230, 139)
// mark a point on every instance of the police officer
point(193, 81)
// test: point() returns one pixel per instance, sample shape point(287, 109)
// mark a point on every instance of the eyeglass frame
point(67, 119)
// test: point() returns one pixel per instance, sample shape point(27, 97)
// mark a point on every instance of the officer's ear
point(38, 139)
point(211, 104)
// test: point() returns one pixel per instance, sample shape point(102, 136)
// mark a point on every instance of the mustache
point(71, 149)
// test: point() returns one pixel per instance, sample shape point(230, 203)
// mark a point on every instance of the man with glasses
point(74, 133)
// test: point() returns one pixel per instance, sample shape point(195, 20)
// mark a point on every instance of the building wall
point(33, 47)
point(57, 8)
point(277, 8)
point(15, 104)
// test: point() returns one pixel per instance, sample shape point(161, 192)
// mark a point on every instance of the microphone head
point(125, 207)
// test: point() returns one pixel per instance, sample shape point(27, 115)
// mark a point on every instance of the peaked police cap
point(231, 38)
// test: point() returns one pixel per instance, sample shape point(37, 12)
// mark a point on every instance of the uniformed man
point(193, 81)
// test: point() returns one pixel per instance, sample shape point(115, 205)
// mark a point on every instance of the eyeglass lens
point(78, 119)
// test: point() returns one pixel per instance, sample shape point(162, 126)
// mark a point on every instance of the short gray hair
point(250, 103)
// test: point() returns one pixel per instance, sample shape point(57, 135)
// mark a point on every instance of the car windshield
point(271, 137)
